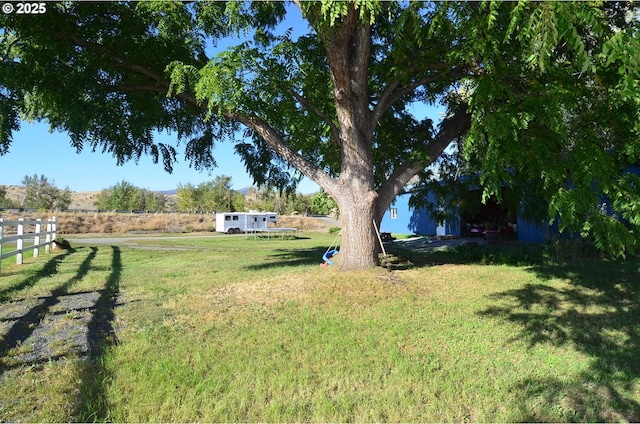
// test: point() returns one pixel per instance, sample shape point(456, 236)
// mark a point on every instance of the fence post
point(1, 226)
point(53, 228)
point(20, 241)
point(47, 239)
point(36, 239)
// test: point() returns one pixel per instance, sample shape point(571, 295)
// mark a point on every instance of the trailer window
point(227, 218)
point(264, 219)
point(235, 217)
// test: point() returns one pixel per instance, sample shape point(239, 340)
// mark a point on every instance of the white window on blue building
point(393, 213)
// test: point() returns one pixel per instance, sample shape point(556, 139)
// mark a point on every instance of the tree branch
point(117, 59)
point(7, 53)
point(162, 85)
point(392, 94)
point(394, 185)
point(450, 129)
point(139, 87)
point(306, 103)
point(163, 89)
point(268, 133)
point(277, 143)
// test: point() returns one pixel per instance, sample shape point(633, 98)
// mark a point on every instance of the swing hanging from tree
point(331, 251)
point(333, 248)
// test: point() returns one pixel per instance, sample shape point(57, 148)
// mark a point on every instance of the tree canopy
point(542, 95)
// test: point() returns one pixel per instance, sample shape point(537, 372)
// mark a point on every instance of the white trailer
point(240, 222)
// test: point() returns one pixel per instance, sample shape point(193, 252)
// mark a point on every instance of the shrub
point(511, 254)
point(564, 249)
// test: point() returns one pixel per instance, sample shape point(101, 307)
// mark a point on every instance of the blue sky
point(35, 150)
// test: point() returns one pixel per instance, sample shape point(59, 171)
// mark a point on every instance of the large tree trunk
point(360, 246)
point(348, 46)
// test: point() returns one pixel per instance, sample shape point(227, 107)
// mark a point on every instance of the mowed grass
point(245, 330)
point(10, 247)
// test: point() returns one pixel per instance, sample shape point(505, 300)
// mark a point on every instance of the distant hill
point(79, 200)
point(84, 199)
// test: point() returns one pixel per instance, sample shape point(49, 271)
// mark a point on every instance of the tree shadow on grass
point(518, 254)
point(523, 254)
point(598, 314)
point(49, 269)
point(92, 404)
point(291, 258)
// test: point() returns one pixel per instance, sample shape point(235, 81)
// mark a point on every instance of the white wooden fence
point(22, 236)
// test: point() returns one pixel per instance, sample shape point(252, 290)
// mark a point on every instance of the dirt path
point(133, 241)
point(430, 244)
point(421, 244)
point(130, 238)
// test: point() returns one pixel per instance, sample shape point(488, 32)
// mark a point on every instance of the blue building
point(401, 219)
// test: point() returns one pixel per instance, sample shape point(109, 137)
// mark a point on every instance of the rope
point(379, 238)
point(334, 242)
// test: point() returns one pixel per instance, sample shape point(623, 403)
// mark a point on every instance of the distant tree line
point(210, 196)
point(216, 195)
point(126, 196)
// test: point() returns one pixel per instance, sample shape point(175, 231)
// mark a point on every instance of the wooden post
point(47, 240)
point(20, 241)
point(53, 228)
point(36, 239)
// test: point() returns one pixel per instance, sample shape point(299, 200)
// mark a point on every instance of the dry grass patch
point(267, 292)
point(359, 290)
point(328, 285)
point(122, 223)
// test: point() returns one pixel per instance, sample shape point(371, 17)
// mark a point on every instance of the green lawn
point(233, 329)
point(26, 256)
point(10, 247)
